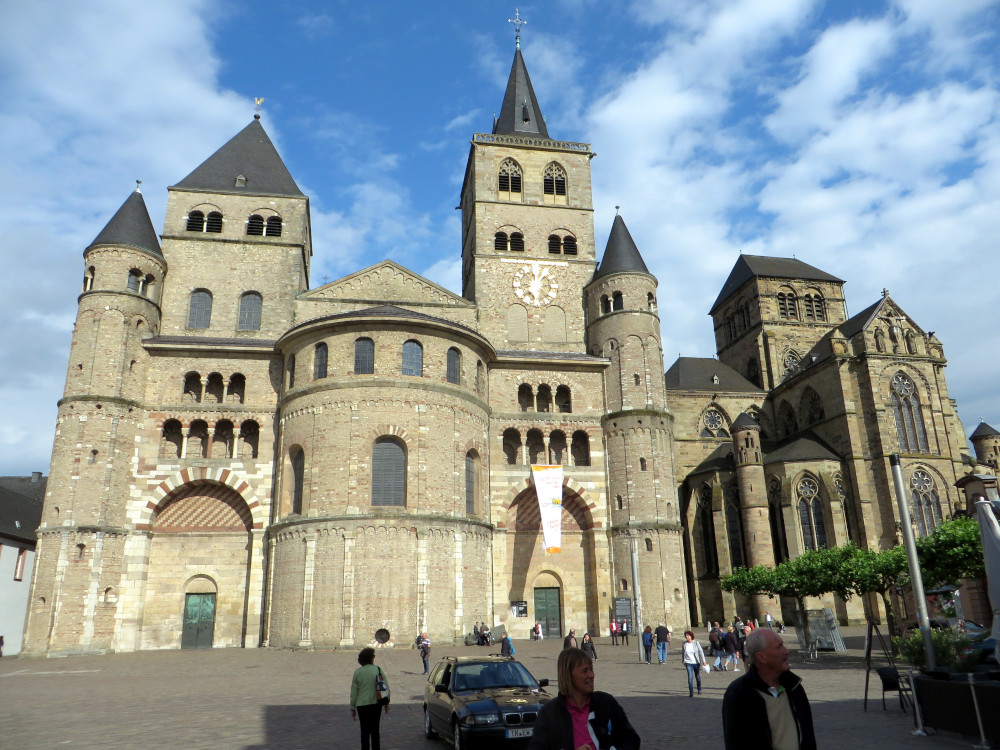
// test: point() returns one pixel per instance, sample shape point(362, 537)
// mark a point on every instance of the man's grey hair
point(756, 641)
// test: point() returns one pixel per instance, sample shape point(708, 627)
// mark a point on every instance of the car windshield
point(484, 676)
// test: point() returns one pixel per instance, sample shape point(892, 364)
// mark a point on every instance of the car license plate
point(522, 732)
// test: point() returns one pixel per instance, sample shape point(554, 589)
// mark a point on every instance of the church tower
point(986, 442)
point(624, 327)
point(753, 510)
point(82, 537)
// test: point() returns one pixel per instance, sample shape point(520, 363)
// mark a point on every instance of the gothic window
point(509, 180)
point(705, 529)
point(714, 424)
point(776, 520)
point(564, 403)
point(388, 472)
point(273, 228)
point(512, 446)
point(544, 400)
point(471, 481)
point(516, 242)
point(364, 357)
point(811, 514)
point(557, 447)
point(909, 418)
point(813, 306)
point(812, 407)
point(734, 527)
point(195, 221)
point(200, 309)
point(213, 222)
point(790, 364)
point(413, 358)
point(581, 448)
point(255, 225)
point(525, 397)
point(536, 446)
point(500, 242)
point(925, 505)
point(786, 419)
point(840, 487)
point(554, 181)
point(319, 361)
point(171, 439)
point(454, 367)
point(297, 457)
point(251, 305)
point(134, 277)
point(617, 301)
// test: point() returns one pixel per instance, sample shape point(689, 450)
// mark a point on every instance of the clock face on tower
point(535, 284)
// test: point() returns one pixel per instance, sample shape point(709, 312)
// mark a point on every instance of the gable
point(387, 283)
point(882, 313)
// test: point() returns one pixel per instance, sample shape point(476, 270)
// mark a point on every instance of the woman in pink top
point(581, 718)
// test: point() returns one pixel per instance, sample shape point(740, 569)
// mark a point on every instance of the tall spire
point(130, 226)
point(621, 255)
point(520, 114)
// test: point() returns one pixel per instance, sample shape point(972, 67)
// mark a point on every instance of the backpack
point(713, 637)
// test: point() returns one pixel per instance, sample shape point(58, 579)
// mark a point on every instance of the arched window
point(509, 180)
point(649, 544)
point(454, 368)
point(557, 447)
point(214, 389)
point(480, 378)
point(569, 245)
point(811, 514)
point(617, 301)
point(619, 503)
point(535, 443)
point(319, 361)
point(555, 244)
point(812, 407)
point(197, 442)
point(213, 222)
point(714, 424)
point(516, 242)
point(134, 277)
point(171, 439)
point(200, 309)
point(364, 357)
point(237, 388)
point(787, 305)
point(909, 418)
point(251, 305)
point(776, 520)
point(192, 387)
point(786, 419)
point(291, 371)
point(512, 446)
point(564, 403)
point(814, 307)
point(605, 304)
point(195, 221)
point(255, 225)
point(840, 486)
point(544, 400)
point(222, 439)
point(525, 397)
point(413, 358)
point(925, 506)
point(734, 527)
point(388, 472)
point(273, 228)
point(554, 181)
point(500, 242)
point(517, 323)
point(705, 530)
point(249, 439)
point(651, 301)
point(642, 464)
point(790, 365)
point(580, 448)
point(471, 481)
point(298, 460)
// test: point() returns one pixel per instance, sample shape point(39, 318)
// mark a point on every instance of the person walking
point(731, 646)
point(693, 657)
point(768, 621)
point(587, 646)
point(662, 634)
point(366, 706)
point(647, 642)
point(570, 640)
point(613, 627)
point(424, 647)
point(580, 717)
point(715, 636)
point(624, 632)
point(768, 703)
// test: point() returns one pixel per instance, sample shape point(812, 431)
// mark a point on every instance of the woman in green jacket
point(365, 704)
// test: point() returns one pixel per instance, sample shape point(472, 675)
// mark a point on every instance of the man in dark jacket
point(570, 640)
point(768, 702)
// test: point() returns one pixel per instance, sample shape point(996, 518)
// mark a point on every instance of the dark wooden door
point(199, 621)
point(547, 612)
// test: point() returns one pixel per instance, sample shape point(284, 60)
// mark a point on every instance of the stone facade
point(243, 460)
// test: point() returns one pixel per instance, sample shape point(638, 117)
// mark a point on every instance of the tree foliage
point(954, 551)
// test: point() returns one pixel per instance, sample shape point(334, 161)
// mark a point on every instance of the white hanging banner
point(548, 488)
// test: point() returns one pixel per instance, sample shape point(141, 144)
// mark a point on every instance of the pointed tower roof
point(621, 255)
point(750, 266)
point(130, 226)
point(745, 422)
point(983, 430)
point(520, 114)
point(249, 155)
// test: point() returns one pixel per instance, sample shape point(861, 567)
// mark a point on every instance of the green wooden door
point(547, 612)
point(199, 621)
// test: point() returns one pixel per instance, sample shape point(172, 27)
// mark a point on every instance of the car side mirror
point(440, 688)
point(543, 683)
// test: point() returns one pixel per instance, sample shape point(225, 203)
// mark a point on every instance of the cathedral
point(243, 459)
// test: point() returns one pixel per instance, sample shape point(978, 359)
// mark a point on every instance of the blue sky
point(860, 137)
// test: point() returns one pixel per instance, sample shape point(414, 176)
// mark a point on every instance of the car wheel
point(428, 729)
point(457, 739)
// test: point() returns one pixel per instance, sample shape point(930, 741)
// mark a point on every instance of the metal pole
point(635, 590)
point(911, 556)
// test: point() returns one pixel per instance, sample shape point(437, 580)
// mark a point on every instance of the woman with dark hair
point(587, 646)
point(365, 701)
point(647, 642)
point(580, 717)
point(694, 658)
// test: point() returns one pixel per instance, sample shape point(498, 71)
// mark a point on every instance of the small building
point(20, 514)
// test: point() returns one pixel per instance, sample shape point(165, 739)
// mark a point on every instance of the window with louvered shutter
point(213, 222)
point(196, 222)
point(388, 473)
point(255, 225)
point(273, 226)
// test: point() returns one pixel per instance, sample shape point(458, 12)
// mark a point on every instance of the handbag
point(705, 668)
point(381, 688)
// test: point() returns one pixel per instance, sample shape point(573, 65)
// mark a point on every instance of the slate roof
point(744, 420)
point(806, 447)
point(20, 513)
point(856, 323)
point(752, 266)
point(526, 354)
point(621, 255)
point(520, 114)
point(387, 311)
point(130, 227)
point(984, 430)
point(719, 459)
point(251, 154)
point(212, 341)
point(695, 374)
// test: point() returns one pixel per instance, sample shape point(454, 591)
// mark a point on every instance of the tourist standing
point(613, 627)
point(570, 640)
point(624, 632)
point(424, 647)
point(366, 706)
point(647, 642)
point(587, 646)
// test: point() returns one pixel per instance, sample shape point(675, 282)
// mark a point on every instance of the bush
point(949, 650)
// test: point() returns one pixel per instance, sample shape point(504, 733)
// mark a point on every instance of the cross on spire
point(518, 23)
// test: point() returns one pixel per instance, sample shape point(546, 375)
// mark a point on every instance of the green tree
point(869, 571)
point(954, 551)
